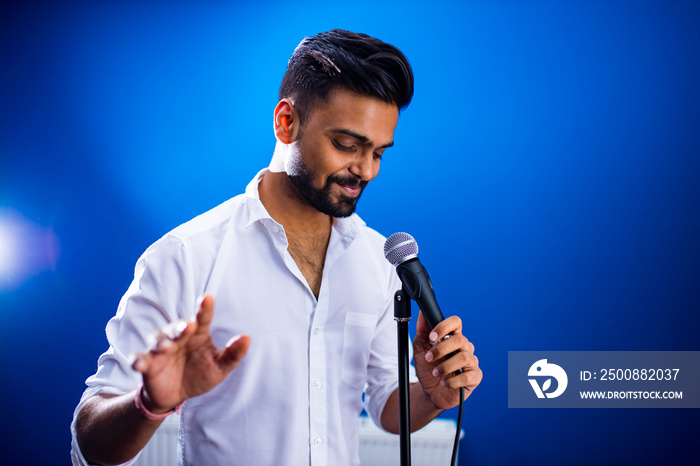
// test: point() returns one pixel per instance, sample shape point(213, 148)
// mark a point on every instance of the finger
point(451, 325)
point(141, 362)
point(164, 345)
point(459, 361)
point(235, 350)
point(166, 339)
point(468, 379)
point(161, 342)
point(205, 314)
point(422, 327)
point(175, 329)
point(449, 345)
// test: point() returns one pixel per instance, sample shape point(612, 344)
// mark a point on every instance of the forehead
point(348, 110)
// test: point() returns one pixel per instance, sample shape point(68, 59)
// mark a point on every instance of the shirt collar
point(256, 209)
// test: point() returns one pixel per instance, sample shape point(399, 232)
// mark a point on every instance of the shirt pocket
point(357, 340)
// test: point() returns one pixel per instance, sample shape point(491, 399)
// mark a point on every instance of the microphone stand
point(402, 314)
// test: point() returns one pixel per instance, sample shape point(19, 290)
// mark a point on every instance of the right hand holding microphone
point(438, 354)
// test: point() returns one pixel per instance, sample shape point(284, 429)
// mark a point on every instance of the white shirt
point(296, 396)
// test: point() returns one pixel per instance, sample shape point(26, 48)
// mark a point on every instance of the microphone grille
point(399, 248)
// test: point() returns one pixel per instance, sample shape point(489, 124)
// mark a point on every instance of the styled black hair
point(346, 59)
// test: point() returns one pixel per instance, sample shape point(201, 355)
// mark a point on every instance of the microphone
point(401, 250)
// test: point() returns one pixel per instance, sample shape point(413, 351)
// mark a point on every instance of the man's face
point(339, 150)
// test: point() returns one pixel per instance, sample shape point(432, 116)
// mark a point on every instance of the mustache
point(350, 181)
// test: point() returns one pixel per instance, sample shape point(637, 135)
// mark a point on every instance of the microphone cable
point(455, 448)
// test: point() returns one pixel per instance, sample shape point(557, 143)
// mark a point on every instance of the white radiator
point(430, 446)
point(161, 450)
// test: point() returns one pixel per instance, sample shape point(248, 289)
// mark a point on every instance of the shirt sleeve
point(162, 291)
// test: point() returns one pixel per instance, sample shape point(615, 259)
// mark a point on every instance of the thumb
point(234, 352)
point(422, 327)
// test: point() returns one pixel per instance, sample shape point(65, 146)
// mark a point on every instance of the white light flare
point(7, 246)
point(26, 249)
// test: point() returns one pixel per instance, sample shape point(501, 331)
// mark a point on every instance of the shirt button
point(317, 384)
point(316, 330)
point(276, 229)
point(318, 441)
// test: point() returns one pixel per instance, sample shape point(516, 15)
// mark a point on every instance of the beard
point(322, 199)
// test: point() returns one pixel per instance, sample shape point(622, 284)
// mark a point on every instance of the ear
point(286, 122)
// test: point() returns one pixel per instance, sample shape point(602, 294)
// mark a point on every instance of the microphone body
point(417, 284)
point(401, 250)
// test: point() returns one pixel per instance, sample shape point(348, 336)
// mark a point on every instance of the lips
point(352, 191)
point(351, 187)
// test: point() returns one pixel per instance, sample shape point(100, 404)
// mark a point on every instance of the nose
point(365, 166)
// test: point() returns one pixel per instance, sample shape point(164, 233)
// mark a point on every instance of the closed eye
point(342, 147)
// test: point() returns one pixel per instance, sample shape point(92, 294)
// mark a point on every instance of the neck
point(288, 208)
point(308, 230)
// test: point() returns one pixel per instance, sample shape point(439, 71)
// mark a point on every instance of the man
point(304, 298)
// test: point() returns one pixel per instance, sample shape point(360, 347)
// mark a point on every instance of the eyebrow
point(363, 139)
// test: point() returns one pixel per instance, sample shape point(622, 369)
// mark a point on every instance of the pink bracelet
point(138, 401)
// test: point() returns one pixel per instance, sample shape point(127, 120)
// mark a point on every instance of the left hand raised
point(436, 364)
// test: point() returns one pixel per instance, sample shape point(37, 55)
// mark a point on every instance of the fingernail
point(233, 340)
point(429, 356)
point(180, 327)
point(433, 336)
point(164, 344)
point(138, 365)
point(436, 373)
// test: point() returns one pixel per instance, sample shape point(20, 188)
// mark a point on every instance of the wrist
point(147, 413)
point(426, 400)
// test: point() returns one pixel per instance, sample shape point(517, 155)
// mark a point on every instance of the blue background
point(548, 168)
